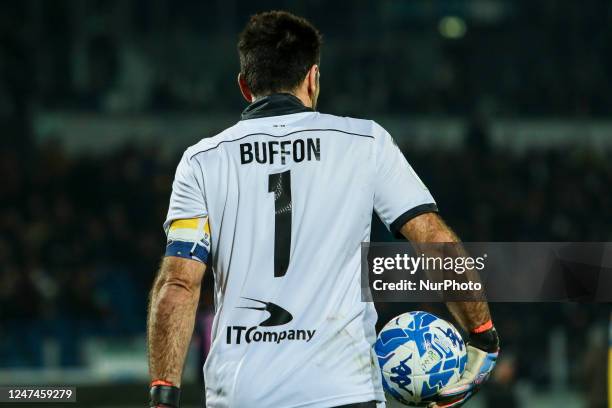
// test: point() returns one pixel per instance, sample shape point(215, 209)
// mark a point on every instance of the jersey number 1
point(280, 185)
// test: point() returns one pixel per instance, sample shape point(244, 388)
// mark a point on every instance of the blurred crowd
point(79, 242)
point(546, 195)
point(509, 57)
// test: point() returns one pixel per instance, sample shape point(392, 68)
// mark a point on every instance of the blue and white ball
point(418, 354)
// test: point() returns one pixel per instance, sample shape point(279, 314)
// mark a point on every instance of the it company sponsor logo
point(252, 334)
point(278, 317)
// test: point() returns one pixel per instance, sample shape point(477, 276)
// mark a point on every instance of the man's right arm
point(473, 316)
point(406, 206)
point(430, 228)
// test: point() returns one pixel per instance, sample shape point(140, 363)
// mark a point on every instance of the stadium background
point(503, 108)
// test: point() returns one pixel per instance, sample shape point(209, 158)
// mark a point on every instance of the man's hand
point(482, 350)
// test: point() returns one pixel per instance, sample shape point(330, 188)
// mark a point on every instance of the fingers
point(477, 370)
point(454, 391)
point(454, 402)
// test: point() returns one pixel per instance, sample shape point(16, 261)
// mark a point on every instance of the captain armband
point(189, 238)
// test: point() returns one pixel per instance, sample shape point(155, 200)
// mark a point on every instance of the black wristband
point(487, 340)
point(166, 395)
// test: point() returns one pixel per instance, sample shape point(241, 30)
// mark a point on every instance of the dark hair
point(276, 51)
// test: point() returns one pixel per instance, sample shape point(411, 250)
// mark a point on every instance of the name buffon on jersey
point(257, 335)
point(270, 152)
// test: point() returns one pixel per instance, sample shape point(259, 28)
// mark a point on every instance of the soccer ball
point(418, 354)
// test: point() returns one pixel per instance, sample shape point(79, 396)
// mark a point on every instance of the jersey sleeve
point(399, 193)
point(186, 226)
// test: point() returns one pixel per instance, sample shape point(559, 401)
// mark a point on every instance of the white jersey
point(289, 195)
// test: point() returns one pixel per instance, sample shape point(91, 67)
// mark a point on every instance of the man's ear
point(313, 78)
point(244, 88)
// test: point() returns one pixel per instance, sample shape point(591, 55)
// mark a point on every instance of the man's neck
point(306, 101)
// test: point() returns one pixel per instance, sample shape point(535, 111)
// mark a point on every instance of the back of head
point(276, 51)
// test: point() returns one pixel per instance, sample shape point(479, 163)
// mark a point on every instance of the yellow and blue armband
point(189, 238)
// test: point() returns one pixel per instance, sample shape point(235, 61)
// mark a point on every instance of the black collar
point(274, 105)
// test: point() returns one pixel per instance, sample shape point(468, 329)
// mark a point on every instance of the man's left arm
point(176, 290)
point(172, 309)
